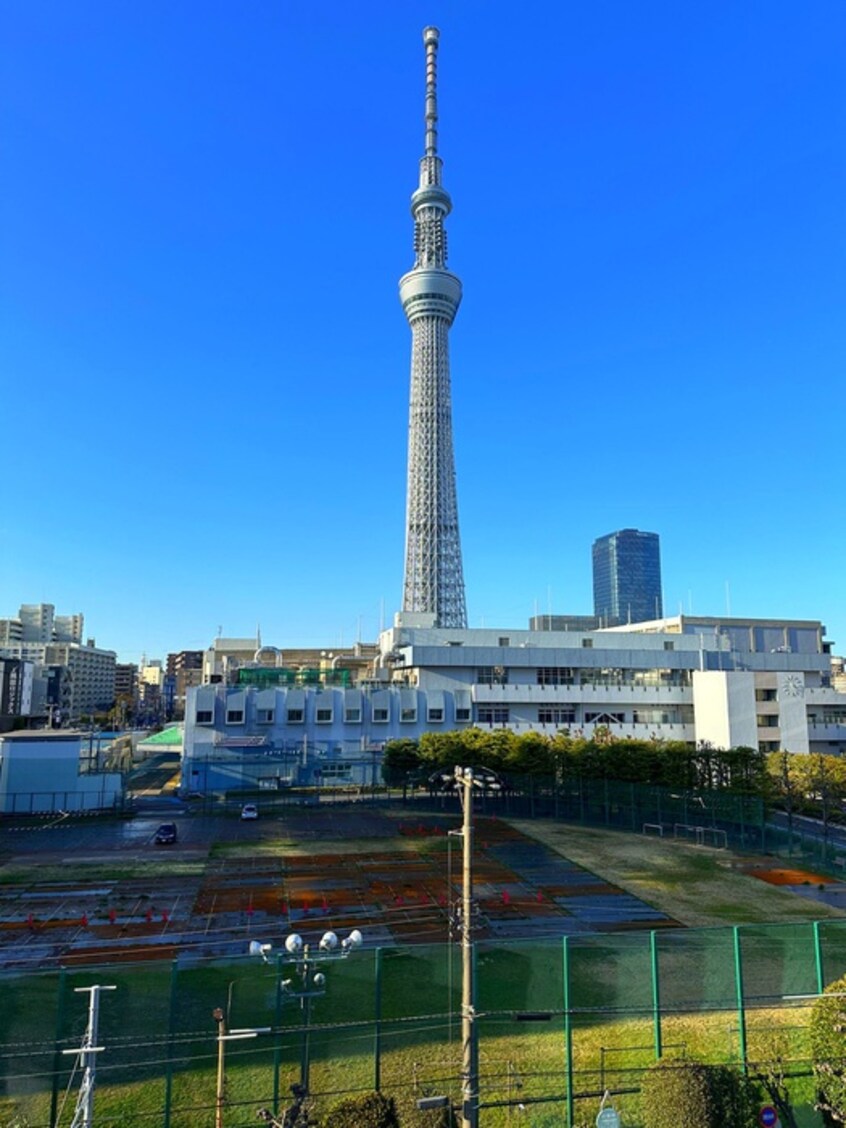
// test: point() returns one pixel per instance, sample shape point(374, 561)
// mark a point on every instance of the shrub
point(710, 1096)
point(828, 1047)
point(369, 1111)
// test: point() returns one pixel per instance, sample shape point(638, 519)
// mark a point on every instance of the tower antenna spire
point(431, 35)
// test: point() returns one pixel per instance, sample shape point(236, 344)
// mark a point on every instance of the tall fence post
point(656, 993)
point(277, 1042)
point(741, 1011)
point(171, 1032)
point(818, 958)
point(57, 1052)
point(568, 1032)
point(377, 1032)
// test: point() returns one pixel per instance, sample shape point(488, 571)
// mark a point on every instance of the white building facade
point(678, 680)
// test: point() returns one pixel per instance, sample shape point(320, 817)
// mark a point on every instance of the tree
point(828, 1048)
point(773, 1073)
point(372, 1110)
point(710, 1096)
point(786, 785)
point(400, 758)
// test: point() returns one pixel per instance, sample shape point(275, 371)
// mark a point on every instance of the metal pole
point(568, 1031)
point(305, 1004)
point(171, 1027)
point(277, 1048)
point(818, 958)
point(656, 994)
point(470, 1057)
point(377, 1034)
point(738, 985)
point(57, 1055)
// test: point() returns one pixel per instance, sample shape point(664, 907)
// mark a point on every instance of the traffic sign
point(768, 1117)
point(608, 1118)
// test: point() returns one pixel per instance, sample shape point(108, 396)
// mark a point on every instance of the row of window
point(352, 716)
point(485, 714)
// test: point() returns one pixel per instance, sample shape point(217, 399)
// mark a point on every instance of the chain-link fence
point(560, 1022)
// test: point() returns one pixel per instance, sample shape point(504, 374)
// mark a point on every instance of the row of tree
point(664, 762)
point(796, 781)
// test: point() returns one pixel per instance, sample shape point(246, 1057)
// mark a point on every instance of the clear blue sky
point(205, 365)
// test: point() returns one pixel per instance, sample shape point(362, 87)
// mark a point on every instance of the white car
point(249, 811)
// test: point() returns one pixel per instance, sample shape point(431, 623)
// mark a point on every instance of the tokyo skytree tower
point(430, 295)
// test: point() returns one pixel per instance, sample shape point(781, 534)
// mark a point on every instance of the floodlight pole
point(469, 1033)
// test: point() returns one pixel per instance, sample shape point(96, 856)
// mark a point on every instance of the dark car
point(166, 835)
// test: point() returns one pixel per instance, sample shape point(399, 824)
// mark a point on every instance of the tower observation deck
point(430, 296)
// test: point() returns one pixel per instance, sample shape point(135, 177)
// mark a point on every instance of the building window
point(352, 716)
point(605, 718)
point(669, 646)
point(294, 716)
point(505, 642)
point(554, 675)
point(765, 721)
point(204, 716)
point(380, 716)
point(408, 716)
point(264, 716)
point(462, 715)
point(587, 643)
point(336, 772)
point(492, 715)
point(436, 715)
point(566, 716)
point(234, 716)
point(323, 716)
point(492, 675)
point(766, 695)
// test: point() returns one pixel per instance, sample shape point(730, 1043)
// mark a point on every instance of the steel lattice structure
point(430, 295)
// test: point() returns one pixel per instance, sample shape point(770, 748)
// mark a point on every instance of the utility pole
point(469, 1034)
point(223, 1037)
point(220, 1019)
point(83, 1116)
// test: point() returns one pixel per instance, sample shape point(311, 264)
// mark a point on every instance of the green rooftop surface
point(172, 735)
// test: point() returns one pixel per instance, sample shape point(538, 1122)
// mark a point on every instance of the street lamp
point(308, 981)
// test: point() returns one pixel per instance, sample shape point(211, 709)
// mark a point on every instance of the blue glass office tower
point(627, 578)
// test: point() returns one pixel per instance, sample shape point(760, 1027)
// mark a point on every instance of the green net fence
point(560, 1022)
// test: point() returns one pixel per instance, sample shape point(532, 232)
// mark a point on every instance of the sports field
point(390, 1014)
